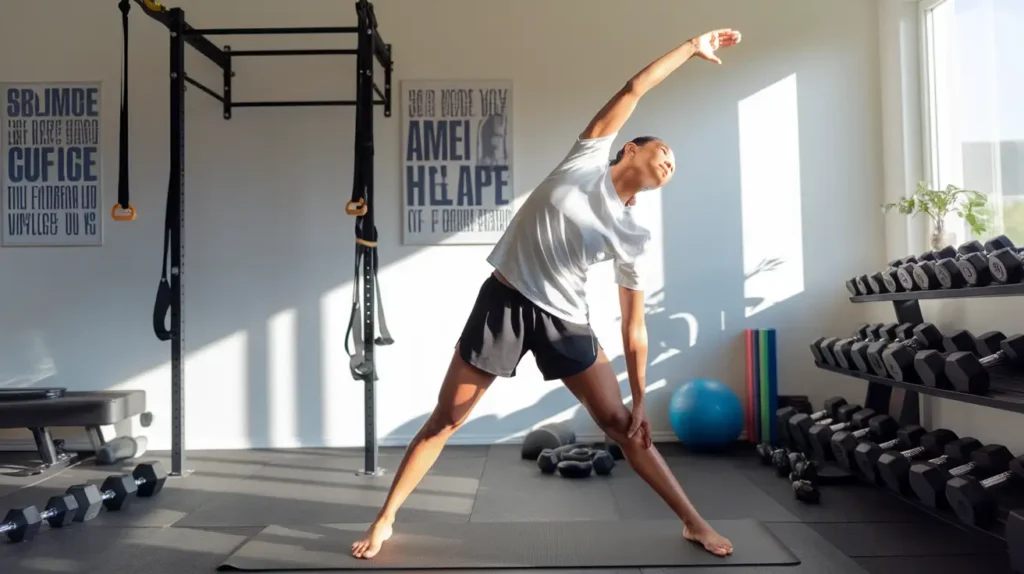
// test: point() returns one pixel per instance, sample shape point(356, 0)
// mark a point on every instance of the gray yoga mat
point(478, 545)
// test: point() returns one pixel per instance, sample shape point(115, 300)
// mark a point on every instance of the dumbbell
point(972, 499)
point(820, 434)
point(1005, 265)
point(924, 273)
point(882, 336)
point(867, 452)
point(950, 271)
point(974, 267)
point(575, 461)
point(969, 374)
point(784, 414)
point(800, 427)
point(826, 350)
point(842, 350)
point(892, 465)
point(822, 347)
point(926, 260)
point(885, 281)
point(115, 493)
point(806, 491)
point(844, 442)
point(876, 282)
point(930, 364)
point(858, 285)
point(928, 480)
point(895, 472)
point(22, 524)
point(896, 359)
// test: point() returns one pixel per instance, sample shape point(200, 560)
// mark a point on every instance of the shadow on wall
point(666, 358)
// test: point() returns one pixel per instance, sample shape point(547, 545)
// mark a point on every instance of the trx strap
point(361, 206)
point(163, 292)
point(123, 210)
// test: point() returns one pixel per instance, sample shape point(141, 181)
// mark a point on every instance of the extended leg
point(462, 388)
point(598, 390)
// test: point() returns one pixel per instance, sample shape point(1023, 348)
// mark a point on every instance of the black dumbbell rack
point(1006, 390)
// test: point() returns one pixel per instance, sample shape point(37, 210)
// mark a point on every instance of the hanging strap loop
point(123, 210)
point(164, 292)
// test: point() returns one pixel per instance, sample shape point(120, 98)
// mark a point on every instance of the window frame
point(929, 111)
point(931, 132)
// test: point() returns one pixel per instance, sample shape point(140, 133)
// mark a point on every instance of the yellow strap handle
point(357, 208)
point(154, 5)
point(122, 214)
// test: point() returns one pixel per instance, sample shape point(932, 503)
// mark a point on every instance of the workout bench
point(41, 409)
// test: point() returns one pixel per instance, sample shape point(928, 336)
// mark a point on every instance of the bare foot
point(712, 541)
point(368, 546)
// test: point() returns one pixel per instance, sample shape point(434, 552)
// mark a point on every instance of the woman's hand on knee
point(639, 432)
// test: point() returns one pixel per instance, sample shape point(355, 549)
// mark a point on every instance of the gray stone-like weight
point(550, 436)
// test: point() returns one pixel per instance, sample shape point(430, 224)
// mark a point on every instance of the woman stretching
point(534, 301)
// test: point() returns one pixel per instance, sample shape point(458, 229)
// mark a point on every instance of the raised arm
point(614, 114)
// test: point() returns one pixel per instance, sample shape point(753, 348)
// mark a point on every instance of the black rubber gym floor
point(197, 522)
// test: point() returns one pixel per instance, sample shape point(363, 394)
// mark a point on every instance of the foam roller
point(548, 436)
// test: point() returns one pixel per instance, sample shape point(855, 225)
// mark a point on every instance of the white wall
point(904, 167)
point(269, 247)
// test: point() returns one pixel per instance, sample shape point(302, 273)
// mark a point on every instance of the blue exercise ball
point(705, 414)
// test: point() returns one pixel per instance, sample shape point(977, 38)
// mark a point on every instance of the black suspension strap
point(123, 210)
point(361, 206)
point(162, 305)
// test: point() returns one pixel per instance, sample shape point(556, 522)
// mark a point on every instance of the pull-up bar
point(170, 295)
point(222, 57)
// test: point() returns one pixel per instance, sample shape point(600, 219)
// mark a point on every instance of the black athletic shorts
point(504, 325)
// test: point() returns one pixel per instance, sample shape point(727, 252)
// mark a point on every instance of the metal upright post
point(177, 187)
point(364, 155)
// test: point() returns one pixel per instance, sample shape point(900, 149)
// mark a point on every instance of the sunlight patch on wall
point(282, 378)
point(771, 196)
point(216, 389)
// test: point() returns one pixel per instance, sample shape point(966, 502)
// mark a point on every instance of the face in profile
point(655, 162)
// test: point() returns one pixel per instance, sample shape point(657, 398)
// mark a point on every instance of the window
point(973, 73)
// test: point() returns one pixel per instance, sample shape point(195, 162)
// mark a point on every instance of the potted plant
point(937, 204)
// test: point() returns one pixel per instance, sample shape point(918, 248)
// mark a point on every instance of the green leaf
point(937, 204)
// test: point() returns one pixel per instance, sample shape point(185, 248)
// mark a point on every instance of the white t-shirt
point(571, 221)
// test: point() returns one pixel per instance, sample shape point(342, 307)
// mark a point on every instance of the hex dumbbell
point(970, 374)
point(928, 479)
point(784, 415)
point(897, 359)
point(930, 364)
point(972, 499)
point(892, 465)
point(843, 443)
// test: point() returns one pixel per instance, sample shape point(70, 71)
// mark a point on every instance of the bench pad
point(74, 409)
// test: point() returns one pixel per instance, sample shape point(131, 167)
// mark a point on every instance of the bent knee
point(614, 422)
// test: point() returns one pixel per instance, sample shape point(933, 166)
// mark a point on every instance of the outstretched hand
point(640, 424)
point(706, 44)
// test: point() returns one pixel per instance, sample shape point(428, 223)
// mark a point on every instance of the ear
point(630, 148)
